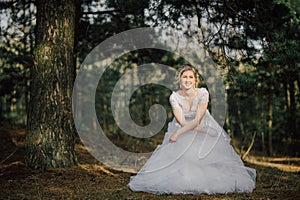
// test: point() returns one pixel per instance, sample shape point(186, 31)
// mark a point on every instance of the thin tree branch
point(111, 12)
point(236, 12)
point(250, 147)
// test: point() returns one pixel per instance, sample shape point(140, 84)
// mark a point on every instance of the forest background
point(255, 45)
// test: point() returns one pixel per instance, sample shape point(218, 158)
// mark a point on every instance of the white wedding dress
point(200, 161)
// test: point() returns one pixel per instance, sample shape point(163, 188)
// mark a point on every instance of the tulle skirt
point(198, 162)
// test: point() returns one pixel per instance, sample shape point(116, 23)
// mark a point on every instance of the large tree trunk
point(50, 137)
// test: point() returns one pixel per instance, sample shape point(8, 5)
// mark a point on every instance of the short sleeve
point(203, 95)
point(173, 101)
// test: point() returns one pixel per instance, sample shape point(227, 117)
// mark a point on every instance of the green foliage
point(16, 47)
point(255, 43)
point(141, 100)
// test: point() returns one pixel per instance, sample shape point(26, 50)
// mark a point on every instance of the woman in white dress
point(195, 156)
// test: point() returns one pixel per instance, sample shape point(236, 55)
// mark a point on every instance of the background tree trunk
point(270, 123)
point(50, 129)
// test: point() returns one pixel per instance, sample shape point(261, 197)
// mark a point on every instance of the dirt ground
point(276, 178)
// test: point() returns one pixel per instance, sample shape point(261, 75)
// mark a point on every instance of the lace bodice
point(178, 102)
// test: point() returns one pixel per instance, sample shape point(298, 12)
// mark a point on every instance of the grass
point(91, 180)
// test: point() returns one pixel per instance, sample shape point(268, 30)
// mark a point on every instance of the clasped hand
point(175, 135)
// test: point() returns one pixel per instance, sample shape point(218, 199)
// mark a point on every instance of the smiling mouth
point(188, 85)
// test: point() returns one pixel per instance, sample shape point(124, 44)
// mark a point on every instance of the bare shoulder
point(179, 92)
point(198, 90)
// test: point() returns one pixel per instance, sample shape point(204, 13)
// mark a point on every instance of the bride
point(195, 156)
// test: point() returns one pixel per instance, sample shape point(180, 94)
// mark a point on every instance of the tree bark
point(292, 112)
point(270, 123)
point(50, 136)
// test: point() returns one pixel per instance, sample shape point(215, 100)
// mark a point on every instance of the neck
point(189, 92)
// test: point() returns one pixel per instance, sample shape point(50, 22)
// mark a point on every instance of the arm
point(177, 110)
point(201, 109)
point(178, 114)
point(196, 121)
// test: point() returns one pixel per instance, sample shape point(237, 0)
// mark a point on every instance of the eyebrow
point(188, 75)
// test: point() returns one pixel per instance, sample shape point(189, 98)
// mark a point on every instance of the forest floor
point(277, 178)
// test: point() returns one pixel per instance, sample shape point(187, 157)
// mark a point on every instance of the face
point(187, 80)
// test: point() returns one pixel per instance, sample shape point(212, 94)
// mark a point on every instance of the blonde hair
point(184, 68)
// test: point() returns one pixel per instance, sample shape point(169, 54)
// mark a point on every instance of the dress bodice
point(179, 102)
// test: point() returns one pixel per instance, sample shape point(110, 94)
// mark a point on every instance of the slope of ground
point(276, 178)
